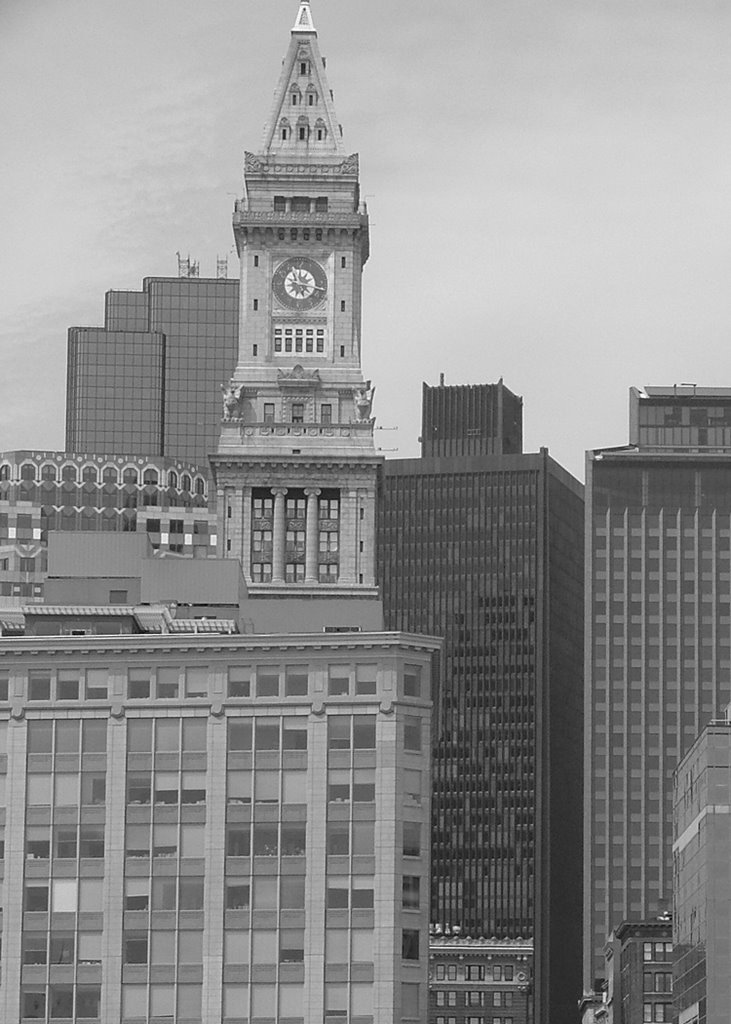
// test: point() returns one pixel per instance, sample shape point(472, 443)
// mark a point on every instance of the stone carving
point(231, 400)
point(349, 165)
point(364, 402)
point(298, 377)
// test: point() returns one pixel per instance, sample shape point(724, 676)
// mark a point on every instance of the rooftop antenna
point(441, 380)
point(222, 266)
point(187, 267)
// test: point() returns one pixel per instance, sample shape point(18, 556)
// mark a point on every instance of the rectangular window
point(410, 892)
point(296, 681)
point(39, 685)
point(67, 684)
point(196, 682)
point(338, 681)
point(410, 944)
point(239, 681)
point(366, 679)
point(97, 681)
point(269, 412)
point(412, 839)
point(298, 412)
point(326, 413)
point(138, 684)
point(168, 684)
point(412, 733)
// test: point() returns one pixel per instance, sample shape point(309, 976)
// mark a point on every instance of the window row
point(66, 841)
point(443, 997)
point(61, 1002)
point(108, 475)
point(297, 339)
point(475, 972)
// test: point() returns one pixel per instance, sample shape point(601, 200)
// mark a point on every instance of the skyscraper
point(470, 419)
point(658, 654)
point(149, 380)
point(486, 551)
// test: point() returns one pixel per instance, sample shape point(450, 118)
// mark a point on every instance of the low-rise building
point(479, 981)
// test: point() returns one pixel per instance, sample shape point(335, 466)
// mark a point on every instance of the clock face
point(300, 283)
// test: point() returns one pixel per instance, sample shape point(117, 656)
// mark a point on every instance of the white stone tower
point(296, 465)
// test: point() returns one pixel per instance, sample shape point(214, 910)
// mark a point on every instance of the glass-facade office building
point(487, 552)
point(149, 381)
point(658, 656)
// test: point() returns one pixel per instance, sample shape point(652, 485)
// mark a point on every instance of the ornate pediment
point(298, 378)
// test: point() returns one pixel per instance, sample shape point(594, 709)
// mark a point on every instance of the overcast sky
point(548, 184)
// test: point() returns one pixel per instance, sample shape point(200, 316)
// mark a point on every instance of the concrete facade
point(210, 828)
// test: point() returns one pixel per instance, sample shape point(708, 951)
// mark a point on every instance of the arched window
point(48, 472)
point(89, 475)
point(295, 95)
point(4, 472)
point(129, 476)
point(150, 476)
point(172, 479)
point(303, 129)
point(312, 96)
point(320, 130)
point(110, 475)
point(185, 482)
point(68, 474)
point(200, 486)
point(284, 129)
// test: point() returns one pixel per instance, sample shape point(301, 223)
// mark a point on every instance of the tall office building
point(486, 551)
point(149, 380)
point(658, 652)
point(470, 419)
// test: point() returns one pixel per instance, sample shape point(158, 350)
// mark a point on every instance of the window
point(412, 839)
point(298, 412)
point(412, 733)
point(196, 682)
point(294, 734)
point(296, 681)
point(168, 683)
point(364, 732)
point(269, 412)
point(365, 679)
point(410, 892)
point(96, 683)
point(239, 681)
point(135, 948)
point(238, 840)
point(67, 684)
point(237, 895)
point(338, 839)
point(326, 413)
point(412, 681)
point(410, 944)
point(338, 683)
point(39, 685)
point(36, 897)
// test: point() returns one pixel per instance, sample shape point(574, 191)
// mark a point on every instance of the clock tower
point(296, 465)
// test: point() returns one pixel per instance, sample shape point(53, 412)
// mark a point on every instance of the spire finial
point(303, 22)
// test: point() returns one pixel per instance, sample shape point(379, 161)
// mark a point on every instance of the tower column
point(278, 535)
point(311, 537)
point(348, 558)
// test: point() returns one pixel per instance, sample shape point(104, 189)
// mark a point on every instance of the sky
point(547, 183)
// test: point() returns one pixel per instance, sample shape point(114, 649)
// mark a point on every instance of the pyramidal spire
point(304, 21)
point(303, 123)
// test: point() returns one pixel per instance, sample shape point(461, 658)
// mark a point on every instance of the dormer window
point(285, 129)
point(304, 67)
point(320, 130)
point(303, 133)
point(311, 97)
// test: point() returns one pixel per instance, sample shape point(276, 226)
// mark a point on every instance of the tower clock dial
point(300, 283)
